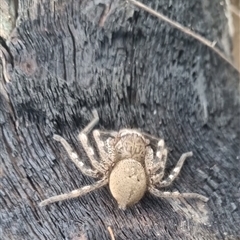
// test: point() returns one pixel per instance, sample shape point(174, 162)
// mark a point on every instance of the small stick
point(185, 30)
point(234, 10)
point(111, 232)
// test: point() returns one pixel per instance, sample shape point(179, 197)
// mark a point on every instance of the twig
point(234, 10)
point(111, 233)
point(185, 30)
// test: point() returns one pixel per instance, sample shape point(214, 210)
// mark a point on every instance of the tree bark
point(64, 59)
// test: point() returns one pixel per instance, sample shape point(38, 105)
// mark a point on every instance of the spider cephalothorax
point(130, 144)
point(127, 163)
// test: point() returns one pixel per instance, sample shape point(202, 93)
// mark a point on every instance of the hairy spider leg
point(75, 193)
point(161, 158)
point(157, 163)
point(92, 124)
point(105, 150)
point(174, 173)
point(175, 195)
point(82, 136)
point(75, 159)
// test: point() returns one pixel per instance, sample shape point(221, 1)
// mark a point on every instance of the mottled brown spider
point(127, 163)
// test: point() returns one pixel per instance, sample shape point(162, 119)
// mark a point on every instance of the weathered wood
point(68, 58)
point(8, 12)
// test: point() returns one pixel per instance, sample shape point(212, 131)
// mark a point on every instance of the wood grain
point(66, 58)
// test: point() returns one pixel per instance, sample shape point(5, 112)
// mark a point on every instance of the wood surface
point(65, 58)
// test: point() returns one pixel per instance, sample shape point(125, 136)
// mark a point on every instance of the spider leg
point(158, 163)
point(176, 170)
point(161, 158)
point(151, 137)
point(105, 150)
point(112, 134)
point(149, 159)
point(75, 193)
point(74, 157)
point(93, 123)
point(82, 136)
point(175, 195)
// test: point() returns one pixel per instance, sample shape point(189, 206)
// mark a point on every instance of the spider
point(127, 163)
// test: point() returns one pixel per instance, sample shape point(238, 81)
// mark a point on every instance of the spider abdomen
point(128, 182)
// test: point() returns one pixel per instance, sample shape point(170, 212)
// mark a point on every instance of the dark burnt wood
point(64, 59)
